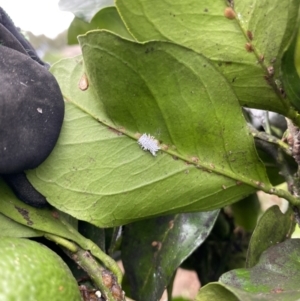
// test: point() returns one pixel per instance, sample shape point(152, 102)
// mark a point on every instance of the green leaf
point(290, 76)
point(49, 221)
point(128, 81)
point(216, 292)
point(97, 171)
point(84, 9)
point(10, 228)
point(180, 299)
point(107, 18)
point(264, 235)
point(44, 220)
point(244, 41)
point(163, 244)
point(275, 277)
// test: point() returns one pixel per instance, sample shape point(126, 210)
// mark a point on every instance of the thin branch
point(272, 150)
point(102, 278)
point(105, 280)
point(271, 139)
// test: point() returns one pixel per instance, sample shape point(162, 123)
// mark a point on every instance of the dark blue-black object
point(31, 111)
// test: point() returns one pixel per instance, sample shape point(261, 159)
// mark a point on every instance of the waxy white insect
point(149, 143)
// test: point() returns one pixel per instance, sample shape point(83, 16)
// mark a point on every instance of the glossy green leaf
point(84, 9)
point(99, 173)
point(216, 292)
point(107, 18)
point(163, 244)
point(10, 228)
point(275, 277)
point(273, 227)
point(244, 39)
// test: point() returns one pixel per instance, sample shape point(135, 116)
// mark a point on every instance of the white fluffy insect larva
point(149, 143)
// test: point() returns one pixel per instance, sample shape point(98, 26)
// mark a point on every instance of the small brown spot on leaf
point(195, 159)
point(277, 290)
point(282, 92)
point(249, 47)
point(229, 13)
point(250, 35)
point(156, 244)
point(115, 131)
point(261, 58)
point(83, 82)
point(55, 214)
point(271, 71)
point(25, 215)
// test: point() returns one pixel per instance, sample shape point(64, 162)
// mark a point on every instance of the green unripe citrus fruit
point(32, 272)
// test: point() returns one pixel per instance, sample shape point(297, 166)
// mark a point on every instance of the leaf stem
point(107, 260)
point(271, 139)
point(88, 244)
point(294, 115)
point(72, 247)
point(103, 279)
point(284, 194)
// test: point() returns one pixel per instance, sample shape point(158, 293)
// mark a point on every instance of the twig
point(103, 279)
point(271, 139)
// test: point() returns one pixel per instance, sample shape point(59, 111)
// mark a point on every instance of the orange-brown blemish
point(229, 13)
point(250, 35)
point(249, 47)
point(115, 131)
point(156, 244)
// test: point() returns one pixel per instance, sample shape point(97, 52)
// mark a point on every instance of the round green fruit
point(32, 272)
